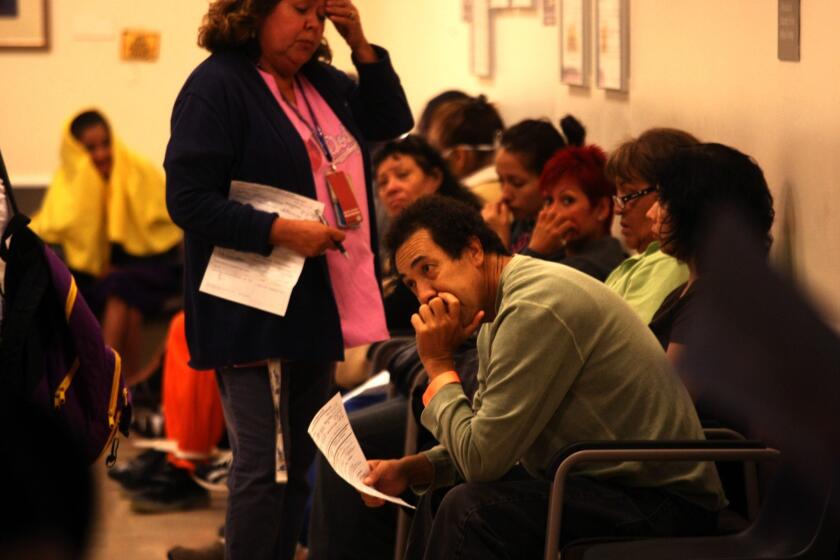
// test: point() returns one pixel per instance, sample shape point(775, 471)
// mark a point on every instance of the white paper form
point(251, 279)
point(331, 431)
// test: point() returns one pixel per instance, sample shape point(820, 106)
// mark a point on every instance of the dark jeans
point(507, 518)
point(264, 518)
point(341, 526)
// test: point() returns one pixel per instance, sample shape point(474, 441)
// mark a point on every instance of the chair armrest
point(752, 494)
point(723, 434)
point(612, 451)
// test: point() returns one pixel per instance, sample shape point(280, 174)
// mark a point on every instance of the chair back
point(797, 520)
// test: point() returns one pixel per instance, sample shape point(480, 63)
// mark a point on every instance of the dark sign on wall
point(8, 8)
point(789, 15)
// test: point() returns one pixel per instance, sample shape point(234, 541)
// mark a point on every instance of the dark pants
point(341, 526)
point(507, 518)
point(264, 518)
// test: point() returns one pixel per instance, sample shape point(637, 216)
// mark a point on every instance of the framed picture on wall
point(481, 40)
point(574, 42)
point(549, 12)
point(467, 10)
point(23, 24)
point(613, 37)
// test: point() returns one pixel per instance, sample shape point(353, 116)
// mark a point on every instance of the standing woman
point(266, 107)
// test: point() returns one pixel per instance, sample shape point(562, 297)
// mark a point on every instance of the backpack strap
point(7, 186)
point(18, 221)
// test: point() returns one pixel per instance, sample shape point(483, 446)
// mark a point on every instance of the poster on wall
point(23, 24)
point(574, 42)
point(549, 12)
point(480, 44)
point(140, 45)
point(613, 44)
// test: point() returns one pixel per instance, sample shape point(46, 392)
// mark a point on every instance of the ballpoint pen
point(338, 244)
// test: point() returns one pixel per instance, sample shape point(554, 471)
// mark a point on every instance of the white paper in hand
point(331, 431)
point(251, 279)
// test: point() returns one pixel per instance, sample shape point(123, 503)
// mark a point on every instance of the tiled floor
point(121, 534)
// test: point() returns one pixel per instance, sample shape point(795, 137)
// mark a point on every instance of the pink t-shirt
point(353, 280)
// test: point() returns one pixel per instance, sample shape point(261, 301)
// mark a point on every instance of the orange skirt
point(192, 407)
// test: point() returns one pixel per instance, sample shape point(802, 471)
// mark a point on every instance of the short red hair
point(584, 164)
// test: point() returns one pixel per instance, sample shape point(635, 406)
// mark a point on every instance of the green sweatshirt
point(644, 280)
point(565, 360)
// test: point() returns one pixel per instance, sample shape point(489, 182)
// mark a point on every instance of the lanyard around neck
point(314, 127)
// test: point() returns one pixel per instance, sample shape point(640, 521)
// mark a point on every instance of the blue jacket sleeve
point(378, 102)
point(198, 164)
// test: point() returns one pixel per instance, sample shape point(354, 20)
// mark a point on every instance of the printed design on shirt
point(342, 146)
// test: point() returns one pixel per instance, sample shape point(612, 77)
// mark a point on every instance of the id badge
point(344, 202)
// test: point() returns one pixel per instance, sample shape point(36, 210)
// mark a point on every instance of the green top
point(565, 360)
point(645, 279)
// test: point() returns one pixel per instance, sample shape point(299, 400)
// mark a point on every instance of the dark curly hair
point(235, 24)
point(535, 141)
point(85, 120)
point(451, 224)
point(698, 182)
point(432, 163)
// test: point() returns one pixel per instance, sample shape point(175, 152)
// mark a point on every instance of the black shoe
point(171, 489)
point(135, 473)
point(215, 551)
point(214, 475)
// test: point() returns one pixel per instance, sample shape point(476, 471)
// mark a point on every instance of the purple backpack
point(51, 347)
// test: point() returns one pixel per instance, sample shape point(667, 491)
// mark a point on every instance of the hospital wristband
point(438, 382)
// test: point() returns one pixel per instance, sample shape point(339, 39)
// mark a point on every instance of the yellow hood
point(84, 214)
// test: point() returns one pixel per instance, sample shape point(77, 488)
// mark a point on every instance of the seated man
point(561, 359)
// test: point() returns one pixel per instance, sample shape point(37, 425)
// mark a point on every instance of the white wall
point(709, 67)
point(41, 90)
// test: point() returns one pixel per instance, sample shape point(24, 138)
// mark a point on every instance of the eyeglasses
point(470, 147)
point(621, 202)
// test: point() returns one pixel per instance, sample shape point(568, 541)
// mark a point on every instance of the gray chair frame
point(679, 451)
point(410, 448)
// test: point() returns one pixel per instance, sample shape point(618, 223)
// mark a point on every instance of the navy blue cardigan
point(227, 125)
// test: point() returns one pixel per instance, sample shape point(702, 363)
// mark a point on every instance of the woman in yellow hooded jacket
point(106, 210)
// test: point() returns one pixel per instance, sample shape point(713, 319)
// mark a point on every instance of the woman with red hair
point(573, 226)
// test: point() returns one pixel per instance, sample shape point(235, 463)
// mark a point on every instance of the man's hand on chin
point(440, 332)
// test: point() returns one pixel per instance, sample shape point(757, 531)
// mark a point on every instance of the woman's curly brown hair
point(234, 25)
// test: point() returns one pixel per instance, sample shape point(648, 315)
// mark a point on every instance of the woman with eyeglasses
point(644, 279)
point(573, 227)
point(464, 132)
